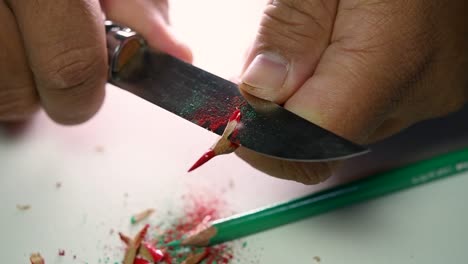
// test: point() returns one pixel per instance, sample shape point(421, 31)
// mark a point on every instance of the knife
point(208, 101)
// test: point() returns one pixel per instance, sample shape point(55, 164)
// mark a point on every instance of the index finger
point(150, 19)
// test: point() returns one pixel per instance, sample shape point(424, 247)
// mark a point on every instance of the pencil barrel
point(341, 196)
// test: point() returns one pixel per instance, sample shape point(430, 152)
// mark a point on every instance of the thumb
point(368, 75)
point(290, 40)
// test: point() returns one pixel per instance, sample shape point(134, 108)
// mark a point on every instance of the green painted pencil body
point(266, 218)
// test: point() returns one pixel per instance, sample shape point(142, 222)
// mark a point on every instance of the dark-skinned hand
point(364, 69)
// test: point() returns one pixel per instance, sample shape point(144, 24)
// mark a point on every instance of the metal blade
point(208, 101)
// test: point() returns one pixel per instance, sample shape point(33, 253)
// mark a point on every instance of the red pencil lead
point(235, 116)
point(203, 159)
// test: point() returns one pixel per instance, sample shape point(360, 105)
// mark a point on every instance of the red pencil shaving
point(61, 252)
point(196, 258)
point(140, 252)
point(148, 251)
point(133, 245)
point(36, 258)
point(125, 239)
point(223, 145)
point(139, 260)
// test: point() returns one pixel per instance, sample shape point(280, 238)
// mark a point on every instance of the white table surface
point(133, 155)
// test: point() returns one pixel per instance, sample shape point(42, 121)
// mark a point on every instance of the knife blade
point(208, 101)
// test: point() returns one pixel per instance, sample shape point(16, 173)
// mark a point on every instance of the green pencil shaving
point(137, 218)
point(245, 224)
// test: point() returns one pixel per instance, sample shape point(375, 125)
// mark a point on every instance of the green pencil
point(252, 222)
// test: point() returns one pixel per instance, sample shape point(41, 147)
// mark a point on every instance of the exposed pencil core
point(223, 145)
point(203, 159)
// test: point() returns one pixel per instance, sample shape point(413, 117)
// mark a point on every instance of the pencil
point(223, 145)
point(245, 224)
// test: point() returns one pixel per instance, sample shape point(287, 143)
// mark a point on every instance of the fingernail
point(266, 73)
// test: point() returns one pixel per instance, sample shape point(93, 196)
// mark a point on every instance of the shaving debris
point(149, 251)
point(139, 251)
point(135, 219)
point(139, 260)
point(61, 252)
point(196, 258)
point(224, 144)
point(36, 258)
point(99, 149)
point(23, 207)
point(149, 246)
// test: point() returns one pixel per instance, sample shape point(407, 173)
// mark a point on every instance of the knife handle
point(122, 45)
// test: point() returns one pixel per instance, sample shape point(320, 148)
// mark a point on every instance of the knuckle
point(73, 68)
point(71, 83)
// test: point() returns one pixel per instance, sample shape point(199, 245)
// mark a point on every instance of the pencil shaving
point(130, 254)
point(133, 245)
point(196, 258)
point(137, 218)
point(36, 258)
point(23, 207)
point(124, 239)
point(139, 260)
point(148, 251)
point(141, 235)
point(144, 252)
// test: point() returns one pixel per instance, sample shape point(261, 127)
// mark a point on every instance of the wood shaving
point(23, 207)
point(137, 218)
point(133, 245)
point(36, 258)
point(196, 258)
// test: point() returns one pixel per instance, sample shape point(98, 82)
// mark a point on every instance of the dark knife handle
point(123, 44)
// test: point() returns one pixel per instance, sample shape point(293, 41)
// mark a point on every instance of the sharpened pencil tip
point(203, 159)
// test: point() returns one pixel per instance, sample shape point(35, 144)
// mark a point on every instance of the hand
point(362, 69)
point(53, 53)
